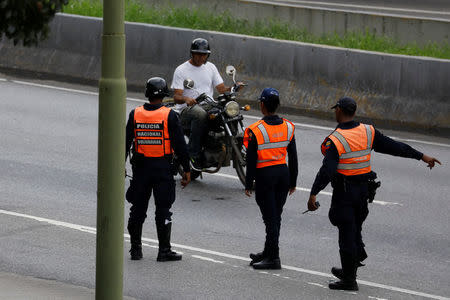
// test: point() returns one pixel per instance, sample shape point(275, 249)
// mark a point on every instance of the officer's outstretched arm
point(430, 161)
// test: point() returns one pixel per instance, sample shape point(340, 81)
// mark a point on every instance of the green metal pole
point(111, 155)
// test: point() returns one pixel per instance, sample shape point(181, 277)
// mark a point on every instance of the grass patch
point(136, 11)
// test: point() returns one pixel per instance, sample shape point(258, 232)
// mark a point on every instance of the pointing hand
point(430, 161)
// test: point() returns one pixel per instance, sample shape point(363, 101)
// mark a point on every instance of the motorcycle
point(223, 143)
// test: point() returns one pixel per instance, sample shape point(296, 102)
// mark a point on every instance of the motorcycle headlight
point(232, 109)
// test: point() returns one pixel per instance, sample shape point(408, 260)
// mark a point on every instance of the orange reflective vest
point(151, 132)
point(272, 142)
point(354, 147)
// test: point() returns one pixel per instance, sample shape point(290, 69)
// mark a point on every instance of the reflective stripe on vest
point(272, 142)
point(354, 147)
point(151, 132)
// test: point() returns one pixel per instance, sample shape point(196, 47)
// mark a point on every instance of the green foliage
point(136, 11)
point(27, 20)
point(91, 8)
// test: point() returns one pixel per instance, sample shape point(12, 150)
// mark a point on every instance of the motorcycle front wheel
point(240, 168)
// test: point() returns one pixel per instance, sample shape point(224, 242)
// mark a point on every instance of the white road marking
point(3, 79)
point(370, 297)
point(151, 246)
point(54, 87)
point(419, 142)
point(246, 116)
point(361, 6)
point(317, 284)
point(308, 190)
point(208, 259)
point(93, 230)
point(386, 203)
point(136, 100)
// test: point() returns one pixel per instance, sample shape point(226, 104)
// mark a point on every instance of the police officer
point(267, 142)
point(346, 163)
point(154, 131)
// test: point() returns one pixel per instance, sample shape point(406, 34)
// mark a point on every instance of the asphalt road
point(439, 9)
point(48, 214)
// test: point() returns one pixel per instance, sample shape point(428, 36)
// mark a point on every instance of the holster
point(340, 181)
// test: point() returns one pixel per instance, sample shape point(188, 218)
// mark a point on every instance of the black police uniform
point(349, 205)
point(272, 185)
point(153, 174)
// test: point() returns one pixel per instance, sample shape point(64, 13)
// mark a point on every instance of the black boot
point(348, 280)
point(135, 231)
point(136, 252)
point(165, 253)
point(256, 257)
point(268, 264)
point(339, 273)
point(270, 258)
point(362, 255)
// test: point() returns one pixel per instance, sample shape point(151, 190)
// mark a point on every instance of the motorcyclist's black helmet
point(200, 45)
point(156, 87)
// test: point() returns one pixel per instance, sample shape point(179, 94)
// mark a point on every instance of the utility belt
point(342, 181)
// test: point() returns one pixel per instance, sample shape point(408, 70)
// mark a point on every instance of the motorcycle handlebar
point(236, 87)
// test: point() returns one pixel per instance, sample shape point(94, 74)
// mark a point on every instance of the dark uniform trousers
point(145, 181)
point(349, 209)
point(271, 190)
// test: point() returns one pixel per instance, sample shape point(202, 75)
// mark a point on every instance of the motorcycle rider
point(206, 77)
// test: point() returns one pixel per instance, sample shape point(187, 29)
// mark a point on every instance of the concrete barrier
point(319, 21)
point(407, 92)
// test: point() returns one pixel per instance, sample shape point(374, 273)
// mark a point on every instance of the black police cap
point(346, 103)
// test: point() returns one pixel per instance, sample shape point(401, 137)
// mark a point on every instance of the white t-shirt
point(206, 78)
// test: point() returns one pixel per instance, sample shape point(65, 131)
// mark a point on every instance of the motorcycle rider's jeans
point(195, 119)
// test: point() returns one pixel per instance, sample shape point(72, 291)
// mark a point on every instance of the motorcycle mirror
point(188, 83)
point(230, 70)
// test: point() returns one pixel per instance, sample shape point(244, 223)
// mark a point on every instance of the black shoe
point(168, 255)
point(256, 257)
point(346, 285)
point(268, 264)
point(136, 252)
